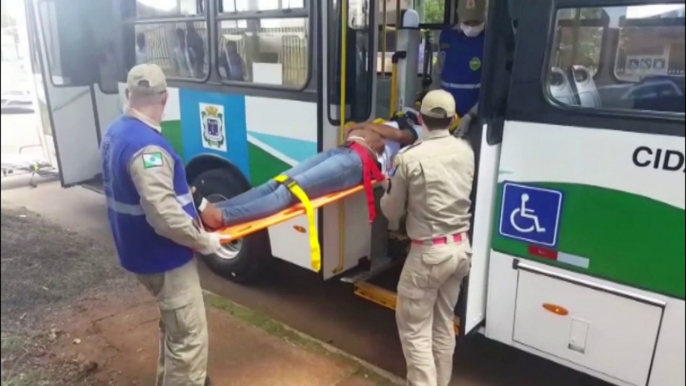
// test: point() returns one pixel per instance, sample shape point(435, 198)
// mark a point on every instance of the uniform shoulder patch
point(153, 160)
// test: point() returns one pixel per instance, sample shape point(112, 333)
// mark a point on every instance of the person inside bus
point(370, 149)
point(196, 51)
point(181, 61)
point(232, 62)
point(460, 59)
point(141, 52)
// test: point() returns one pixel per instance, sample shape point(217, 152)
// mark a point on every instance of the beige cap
point(471, 10)
point(438, 104)
point(146, 79)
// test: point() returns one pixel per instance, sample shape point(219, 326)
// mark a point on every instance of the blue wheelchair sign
point(531, 214)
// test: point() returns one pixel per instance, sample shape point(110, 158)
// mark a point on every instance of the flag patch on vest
point(475, 64)
point(152, 160)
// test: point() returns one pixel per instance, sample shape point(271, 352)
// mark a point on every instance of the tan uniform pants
point(183, 326)
point(427, 295)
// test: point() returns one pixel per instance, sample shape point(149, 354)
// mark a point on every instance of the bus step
point(377, 266)
point(386, 298)
point(376, 294)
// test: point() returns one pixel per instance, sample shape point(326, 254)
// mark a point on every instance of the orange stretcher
point(371, 174)
point(239, 231)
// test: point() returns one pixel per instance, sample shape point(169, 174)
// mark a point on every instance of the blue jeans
point(328, 172)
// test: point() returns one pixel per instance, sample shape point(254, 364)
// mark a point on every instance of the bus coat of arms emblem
point(213, 127)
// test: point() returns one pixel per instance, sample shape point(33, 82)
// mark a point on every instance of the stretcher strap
point(370, 173)
point(300, 194)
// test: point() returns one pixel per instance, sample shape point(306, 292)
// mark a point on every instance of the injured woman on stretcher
point(366, 156)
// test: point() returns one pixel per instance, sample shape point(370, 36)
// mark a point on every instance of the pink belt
point(457, 238)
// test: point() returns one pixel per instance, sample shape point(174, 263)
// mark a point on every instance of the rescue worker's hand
point(214, 244)
point(464, 125)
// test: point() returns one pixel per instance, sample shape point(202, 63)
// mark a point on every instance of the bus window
point(270, 50)
point(579, 38)
point(231, 6)
point(626, 58)
point(180, 49)
point(168, 8)
point(360, 69)
point(71, 42)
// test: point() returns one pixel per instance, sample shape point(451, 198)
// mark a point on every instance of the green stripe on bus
point(628, 239)
point(171, 130)
point(263, 166)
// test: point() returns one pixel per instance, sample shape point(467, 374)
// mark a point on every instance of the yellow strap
point(299, 193)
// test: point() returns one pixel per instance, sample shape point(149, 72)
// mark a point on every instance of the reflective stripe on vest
point(137, 210)
point(299, 193)
point(456, 86)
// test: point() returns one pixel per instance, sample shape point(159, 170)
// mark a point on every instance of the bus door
point(348, 90)
point(78, 46)
point(485, 137)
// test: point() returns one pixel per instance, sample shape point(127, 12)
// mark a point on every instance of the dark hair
point(140, 39)
point(433, 123)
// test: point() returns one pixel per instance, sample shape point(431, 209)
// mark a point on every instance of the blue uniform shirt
point(140, 248)
point(462, 59)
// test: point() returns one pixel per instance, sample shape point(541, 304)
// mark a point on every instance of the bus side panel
point(667, 364)
point(597, 207)
point(281, 134)
point(668, 367)
point(609, 207)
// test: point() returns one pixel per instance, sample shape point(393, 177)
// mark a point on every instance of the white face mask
point(472, 31)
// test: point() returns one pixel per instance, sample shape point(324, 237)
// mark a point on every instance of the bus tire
point(242, 261)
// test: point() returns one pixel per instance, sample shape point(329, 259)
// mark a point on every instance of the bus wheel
point(243, 260)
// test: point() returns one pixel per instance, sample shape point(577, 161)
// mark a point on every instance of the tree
point(434, 11)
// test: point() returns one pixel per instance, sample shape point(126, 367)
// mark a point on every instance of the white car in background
point(17, 102)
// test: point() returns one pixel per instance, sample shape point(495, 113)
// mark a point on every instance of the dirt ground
point(71, 317)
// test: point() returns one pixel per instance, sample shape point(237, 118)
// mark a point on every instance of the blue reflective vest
point(141, 250)
point(462, 58)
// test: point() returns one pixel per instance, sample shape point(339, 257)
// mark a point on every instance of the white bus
point(579, 214)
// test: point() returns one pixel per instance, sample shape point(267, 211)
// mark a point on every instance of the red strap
point(370, 171)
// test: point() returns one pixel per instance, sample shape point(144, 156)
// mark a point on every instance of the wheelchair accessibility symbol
point(523, 214)
point(531, 214)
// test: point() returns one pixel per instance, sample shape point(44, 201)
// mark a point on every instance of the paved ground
point(71, 317)
point(19, 131)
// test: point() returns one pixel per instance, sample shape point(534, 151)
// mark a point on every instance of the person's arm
point(466, 121)
point(394, 201)
point(152, 173)
point(403, 136)
point(474, 111)
point(438, 67)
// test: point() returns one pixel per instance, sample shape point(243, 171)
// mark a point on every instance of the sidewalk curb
point(367, 368)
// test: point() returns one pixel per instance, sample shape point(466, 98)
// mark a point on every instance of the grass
point(12, 344)
point(280, 331)
point(26, 379)
point(14, 349)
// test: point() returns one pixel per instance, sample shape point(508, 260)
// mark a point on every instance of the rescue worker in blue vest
point(155, 227)
point(460, 59)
